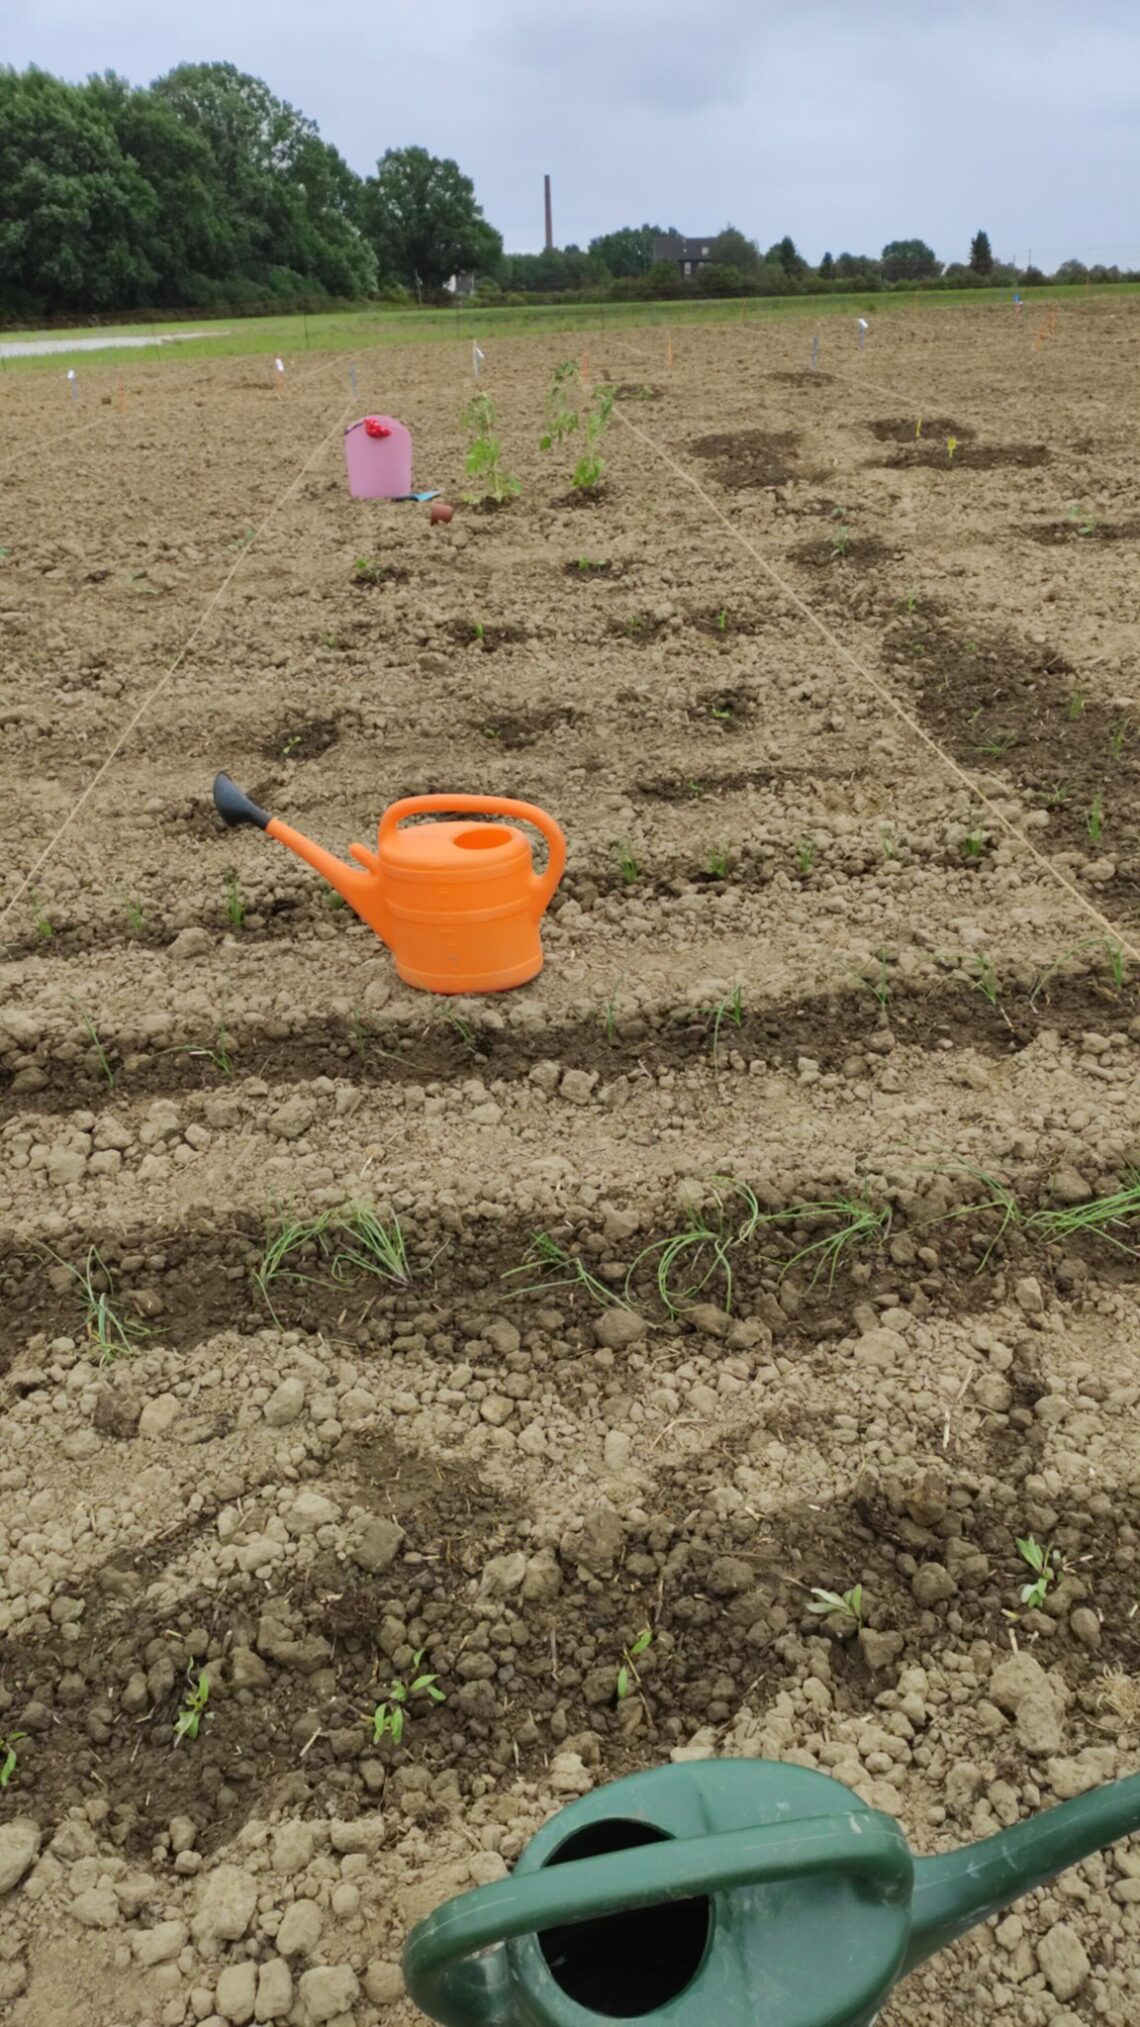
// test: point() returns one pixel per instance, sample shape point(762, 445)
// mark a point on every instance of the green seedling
point(627, 1675)
point(364, 571)
point(135, 918)
point(1104, 1217)
point(1041, 1562)
point(723, 712)
point(951, 447)
point(188, 1722)
point(1114, 952)
point(1116, 740)
point(235, 907)
point(838, 1604)
point(1083, 526)
point(585, 564)
point(485, 454)
point(695, 789)
point(730, 1008)
point(367, 1042)
point(561, 416)
point(465, 1032)
point(9, 1757)
point(718, 864)
point(1056, 795)
point(855, 1223)
point(1094, 821)
point(998, 1198)
point(1076, 703)
point(219, 1055)
point(44, 929)
point(986, 981)
point(627, 865)
point(973, 845)
point(880, 985)
point(590, 469)
point(100, 1051)
point(841, 533)
point(609, 1017)
point(806, 853)
point(389, 1719)
point(997, 745)
point(722, 620)
point(686, 1261)
point(291, 745)
point(349, 1240)
point(110, 1334)
point(557, 1267)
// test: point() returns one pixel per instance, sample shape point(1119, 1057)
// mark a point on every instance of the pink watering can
point(378, 453)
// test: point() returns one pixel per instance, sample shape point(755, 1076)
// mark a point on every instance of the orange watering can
point(458, 904)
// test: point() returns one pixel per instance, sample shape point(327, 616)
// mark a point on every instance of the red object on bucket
point(374, 427)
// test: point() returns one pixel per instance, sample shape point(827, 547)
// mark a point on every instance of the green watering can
point(728, 1893)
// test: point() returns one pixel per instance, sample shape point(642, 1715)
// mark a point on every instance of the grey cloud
point(844, 122)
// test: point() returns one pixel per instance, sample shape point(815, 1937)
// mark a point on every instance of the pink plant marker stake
point(378, 453)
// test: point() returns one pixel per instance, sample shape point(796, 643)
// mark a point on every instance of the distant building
point(688, 256)
point(462, 284)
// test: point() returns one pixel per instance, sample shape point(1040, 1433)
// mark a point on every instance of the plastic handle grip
point(545, 882)
point(869, 1849)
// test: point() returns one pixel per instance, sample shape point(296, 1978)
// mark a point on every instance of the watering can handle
point(867, 1847)
point(489, 805)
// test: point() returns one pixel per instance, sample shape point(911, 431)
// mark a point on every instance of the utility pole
point(549, 214)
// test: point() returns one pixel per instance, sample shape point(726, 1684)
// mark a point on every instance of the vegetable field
point(380, 1370)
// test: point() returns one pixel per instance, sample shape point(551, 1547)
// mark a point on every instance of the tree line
point(623, 264)
point(204, 190)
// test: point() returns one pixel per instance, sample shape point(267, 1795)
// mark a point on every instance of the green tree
point(856, 267)
point(909, 260)
point(1071, 271)
point(189, 231)
point(629, 251)
point(826, 268)
point(75, 213)
point(730, 248)
point(981, 254)
point(291, 200)
point(786, 255)
point(423, 221)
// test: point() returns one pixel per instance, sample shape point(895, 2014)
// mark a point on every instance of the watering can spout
point(360, 889)
point(956, 1892)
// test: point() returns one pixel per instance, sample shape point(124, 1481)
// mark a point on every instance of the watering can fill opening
point(622, 1966)
point(483, 838)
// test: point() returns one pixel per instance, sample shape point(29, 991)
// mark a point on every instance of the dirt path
point(808, 1009)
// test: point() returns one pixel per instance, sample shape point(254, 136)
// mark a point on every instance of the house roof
point(672, 246)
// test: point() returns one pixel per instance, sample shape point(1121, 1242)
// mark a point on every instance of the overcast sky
point(845, 124)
